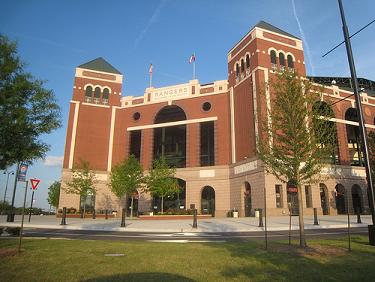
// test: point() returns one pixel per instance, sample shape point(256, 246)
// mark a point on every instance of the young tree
point(297, 139)
point(54, 194)
point(160, 181)
point(27, 110)
point(83, 183)
point(125, 179)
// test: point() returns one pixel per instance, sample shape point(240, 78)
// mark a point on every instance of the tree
point(54, 194)
point(160, 181)
point(83, 183)
point(27, 110)
point(125, 179)
point(297, 138)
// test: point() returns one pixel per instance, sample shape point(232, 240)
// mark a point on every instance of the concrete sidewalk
point(184, 225)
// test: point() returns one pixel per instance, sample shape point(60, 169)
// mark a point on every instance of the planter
point(235, 214)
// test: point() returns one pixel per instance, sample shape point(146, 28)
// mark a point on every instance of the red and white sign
point(34, 183)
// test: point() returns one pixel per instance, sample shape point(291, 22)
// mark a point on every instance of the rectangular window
point(279, 197)
point(308, 196)
point(135, 144)
point(207, 144)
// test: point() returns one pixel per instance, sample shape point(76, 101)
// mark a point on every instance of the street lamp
point(6, 186)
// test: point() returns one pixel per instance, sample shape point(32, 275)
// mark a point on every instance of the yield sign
point(34, 183)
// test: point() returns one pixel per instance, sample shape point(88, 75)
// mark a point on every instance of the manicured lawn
point(80, 260)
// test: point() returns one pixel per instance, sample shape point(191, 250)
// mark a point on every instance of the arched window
point(247, 61)
point(105, 96)
point(273, 57)
point(237, 70)
point(88, 94)
point(352, 134)
point(282, 59)
point(242, 66)
point(290, 61)
point(323, 109)
point(170, 141)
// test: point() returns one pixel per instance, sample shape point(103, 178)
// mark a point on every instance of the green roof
point(99, 64)
point(270, 27)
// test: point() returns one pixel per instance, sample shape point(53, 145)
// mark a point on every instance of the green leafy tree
point(27, 110)
point(83, 183)
point(125, 179)
point(296, 139)
point(160, 181)
point(54, 194)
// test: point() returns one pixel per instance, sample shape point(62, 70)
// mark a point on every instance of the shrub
point(14, 231)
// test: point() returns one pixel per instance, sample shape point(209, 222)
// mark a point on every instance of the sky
point(54, 37)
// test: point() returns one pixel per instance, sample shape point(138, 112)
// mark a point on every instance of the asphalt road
point(189, 237)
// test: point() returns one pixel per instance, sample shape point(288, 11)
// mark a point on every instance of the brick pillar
point(343, 144)
point(192, 145)
point(147, 147)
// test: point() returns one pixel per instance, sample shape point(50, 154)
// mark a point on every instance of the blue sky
point(54, 37)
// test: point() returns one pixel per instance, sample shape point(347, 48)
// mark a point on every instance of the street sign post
point(34, 184)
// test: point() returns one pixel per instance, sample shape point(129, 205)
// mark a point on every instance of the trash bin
point(257, 213)
point(235, 214)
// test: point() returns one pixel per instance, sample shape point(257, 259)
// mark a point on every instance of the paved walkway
point(185, 225)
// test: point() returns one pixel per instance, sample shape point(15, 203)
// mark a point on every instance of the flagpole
point(150, 80)
point(194, 69)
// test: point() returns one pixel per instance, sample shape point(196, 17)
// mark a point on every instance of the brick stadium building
point(208, 131)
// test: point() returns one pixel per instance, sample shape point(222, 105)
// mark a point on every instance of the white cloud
point(53, 161)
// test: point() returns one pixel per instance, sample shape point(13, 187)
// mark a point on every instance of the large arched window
point(324, 110)
point(290, 61)
point(273, 57)
point(170, 141)
point(97, 95)
point(282, 59)
point(352, 134)
point(242, 66)
point(88, 94)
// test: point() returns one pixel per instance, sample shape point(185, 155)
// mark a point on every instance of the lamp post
point(6, 185)
point(362, 129)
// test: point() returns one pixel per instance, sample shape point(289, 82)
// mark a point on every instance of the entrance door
point(340, 199)
point(357, 201)
point(247, 201)
point(324, 199)
point(208, 201)
point(293, 202)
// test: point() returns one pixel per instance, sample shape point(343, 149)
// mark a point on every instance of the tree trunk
point(131, 210)
point(162, 204)
point(302, 240)
point(84, 207)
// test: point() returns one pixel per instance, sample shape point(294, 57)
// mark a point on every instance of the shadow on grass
point(151, 276)
point(316, 263)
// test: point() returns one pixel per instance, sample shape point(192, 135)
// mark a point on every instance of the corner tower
point(96, 94)
point(263, 51)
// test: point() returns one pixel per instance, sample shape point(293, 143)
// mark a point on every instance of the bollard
point(63, 217)
point(260, 217)
point(316, 216)
point(359, 216)
point(94, 215)
point(123, 218)
point(195, 224)
point(106, 214)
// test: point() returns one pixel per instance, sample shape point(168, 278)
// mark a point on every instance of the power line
point(349, 37)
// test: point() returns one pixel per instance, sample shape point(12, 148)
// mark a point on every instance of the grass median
point(84, 260)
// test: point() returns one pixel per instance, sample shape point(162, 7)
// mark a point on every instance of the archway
point(173, 202)
point(292, 197)
point(208, 200)
point(170, 141)
point(247, 199)
point(357, 199)
point(324, 201)
point(340, 199)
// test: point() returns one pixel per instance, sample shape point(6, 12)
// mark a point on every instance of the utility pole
point(362, 128)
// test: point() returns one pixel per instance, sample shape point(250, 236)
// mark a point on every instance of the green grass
point(81, 260)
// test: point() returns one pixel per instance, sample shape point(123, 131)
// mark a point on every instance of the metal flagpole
point(362, 129)
point(194, 68)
